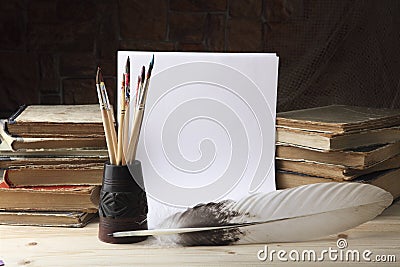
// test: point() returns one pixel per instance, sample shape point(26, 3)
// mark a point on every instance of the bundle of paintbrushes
point(122, 148)
point(123, 203)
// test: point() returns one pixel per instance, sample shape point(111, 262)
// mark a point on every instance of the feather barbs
point(297, 214)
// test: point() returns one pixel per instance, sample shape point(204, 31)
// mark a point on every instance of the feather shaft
point(296, 214)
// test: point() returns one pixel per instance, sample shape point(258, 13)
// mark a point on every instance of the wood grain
point(34, 246)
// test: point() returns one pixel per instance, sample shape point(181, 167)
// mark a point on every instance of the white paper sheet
point(208, 132)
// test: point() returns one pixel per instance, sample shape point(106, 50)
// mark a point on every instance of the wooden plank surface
point(41, 246)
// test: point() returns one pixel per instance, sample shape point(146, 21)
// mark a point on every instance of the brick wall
point(50, 49)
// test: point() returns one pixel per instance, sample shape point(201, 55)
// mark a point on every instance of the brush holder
point(123, 203)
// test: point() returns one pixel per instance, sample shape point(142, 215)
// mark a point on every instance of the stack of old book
point(52, 162)
point(339, 143)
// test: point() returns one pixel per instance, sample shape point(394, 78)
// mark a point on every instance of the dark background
point(344, 52)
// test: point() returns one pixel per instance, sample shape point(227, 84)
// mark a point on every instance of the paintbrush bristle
point(151, 65)
point(127, 66)
point(97, 75)
point(101, 80)
point(143, 74)
point(127, 80)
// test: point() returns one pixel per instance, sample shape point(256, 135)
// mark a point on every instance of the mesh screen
point(337, 52)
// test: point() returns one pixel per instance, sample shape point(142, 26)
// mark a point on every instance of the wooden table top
point(46, 246)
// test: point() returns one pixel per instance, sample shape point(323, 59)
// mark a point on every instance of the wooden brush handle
point(107, 131)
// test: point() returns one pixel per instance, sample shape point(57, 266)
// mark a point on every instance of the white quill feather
point(296, 214)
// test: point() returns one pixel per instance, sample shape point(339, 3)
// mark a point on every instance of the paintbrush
point(143, 96)
point(131, 144)
point(121, 122)
point(137, 92)
point(138, 118)
point(127, 109)
point(142, 80)
point(104, 106)
point(110, 114)
point(127, 75)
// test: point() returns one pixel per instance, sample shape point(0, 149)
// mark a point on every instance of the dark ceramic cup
point(123, 203)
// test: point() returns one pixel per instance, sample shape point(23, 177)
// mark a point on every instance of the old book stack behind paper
point(52, 161)
point(339, 143)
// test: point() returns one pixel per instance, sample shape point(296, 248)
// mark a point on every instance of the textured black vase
point(123, 203)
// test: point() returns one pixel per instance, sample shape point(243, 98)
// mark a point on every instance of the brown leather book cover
point(357, 158)
point(335, 141)
point(332, 171)
point(339, 119)
point(74, 219)
point(49, 198)
point(54, 174)
point(57, 121)
point(20, 161)
point(386, 179)
point(58, 143)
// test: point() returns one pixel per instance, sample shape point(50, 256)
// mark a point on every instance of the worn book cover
point(21, 144)
point(6, 153)
point(357, 158)
point(337, 141)
point(54, 174)
point(49, 198)
point(333, 171)
point(56, 121)
point(43, 160)
point(58, 143)
point(386, 179)
point(339, 118)
point(75, 219)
